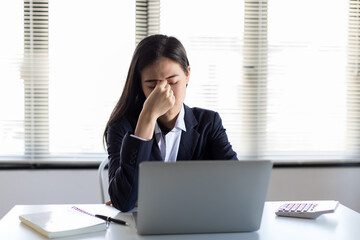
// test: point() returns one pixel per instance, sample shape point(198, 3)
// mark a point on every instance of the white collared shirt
point(169, 143)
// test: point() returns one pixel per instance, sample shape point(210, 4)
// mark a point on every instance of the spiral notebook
point(55, 224)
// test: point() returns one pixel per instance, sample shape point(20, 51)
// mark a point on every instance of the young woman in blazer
point(150, 122)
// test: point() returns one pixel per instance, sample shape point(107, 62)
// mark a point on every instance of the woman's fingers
point(161, 99)
point(172, 97)
point(162, 84)
point(166, 89)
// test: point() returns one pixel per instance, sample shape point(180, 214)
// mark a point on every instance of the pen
point(110, 219)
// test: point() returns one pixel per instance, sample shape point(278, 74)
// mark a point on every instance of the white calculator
point(306, 209)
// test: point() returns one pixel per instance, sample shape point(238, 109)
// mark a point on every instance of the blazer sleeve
point(125, 154)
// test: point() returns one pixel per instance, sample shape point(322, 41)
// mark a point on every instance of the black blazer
point(205, 139)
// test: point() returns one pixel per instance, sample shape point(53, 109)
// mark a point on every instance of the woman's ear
point(188, 76)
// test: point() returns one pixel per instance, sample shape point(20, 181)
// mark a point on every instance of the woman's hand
point(160, 100)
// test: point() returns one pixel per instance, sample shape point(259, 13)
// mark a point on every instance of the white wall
point(47, 187)
point(342, 184)
point(81, 186)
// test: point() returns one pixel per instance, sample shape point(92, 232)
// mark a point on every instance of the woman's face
point(168, 70)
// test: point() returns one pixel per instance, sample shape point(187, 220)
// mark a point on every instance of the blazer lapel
point(155, 152)
point(189, 138)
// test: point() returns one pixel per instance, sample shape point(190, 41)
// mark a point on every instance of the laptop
point(201, 196)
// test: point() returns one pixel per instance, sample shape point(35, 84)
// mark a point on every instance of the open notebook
point(54, 224)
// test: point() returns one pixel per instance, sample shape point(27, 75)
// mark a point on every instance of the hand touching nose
point(160, 100)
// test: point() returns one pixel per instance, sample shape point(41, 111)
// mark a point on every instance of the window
point(63, 65)
point(306, 80)
point(283, 74)
point(276, 71)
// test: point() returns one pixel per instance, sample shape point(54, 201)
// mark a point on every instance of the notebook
point(55, 224)
point(201, 196)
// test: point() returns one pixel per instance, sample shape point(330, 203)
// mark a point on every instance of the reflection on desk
point(343, 224)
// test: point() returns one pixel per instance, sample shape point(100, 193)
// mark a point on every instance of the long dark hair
point(147, 52)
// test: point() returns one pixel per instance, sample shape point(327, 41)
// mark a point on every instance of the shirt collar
point(179, 124)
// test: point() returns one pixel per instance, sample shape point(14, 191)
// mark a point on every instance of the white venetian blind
point(147, 18)
point(35, 76)
point(254, 97)
point(353, 81)
point(24, 78)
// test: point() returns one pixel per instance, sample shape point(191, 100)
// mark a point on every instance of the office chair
point(102, 182)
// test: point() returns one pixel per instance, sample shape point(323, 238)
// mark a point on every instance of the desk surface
point(343, 224)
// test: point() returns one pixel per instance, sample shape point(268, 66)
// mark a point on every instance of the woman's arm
point(125, 154)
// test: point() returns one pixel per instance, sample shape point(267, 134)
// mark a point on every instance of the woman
point(151, 123)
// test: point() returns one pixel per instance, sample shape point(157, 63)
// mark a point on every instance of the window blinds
point(35, 73)
point(147, 18)
point(254, 87)
point(353, 80)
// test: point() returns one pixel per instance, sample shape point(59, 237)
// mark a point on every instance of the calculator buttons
point(306, 209)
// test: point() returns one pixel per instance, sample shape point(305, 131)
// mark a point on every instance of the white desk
point(341, 225)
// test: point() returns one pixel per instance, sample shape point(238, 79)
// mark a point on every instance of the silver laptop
point(201, 196)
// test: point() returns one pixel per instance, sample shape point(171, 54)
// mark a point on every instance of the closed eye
point(151, 84)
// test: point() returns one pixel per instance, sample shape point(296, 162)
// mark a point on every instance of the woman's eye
point(173, 83)
point(151, 86)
